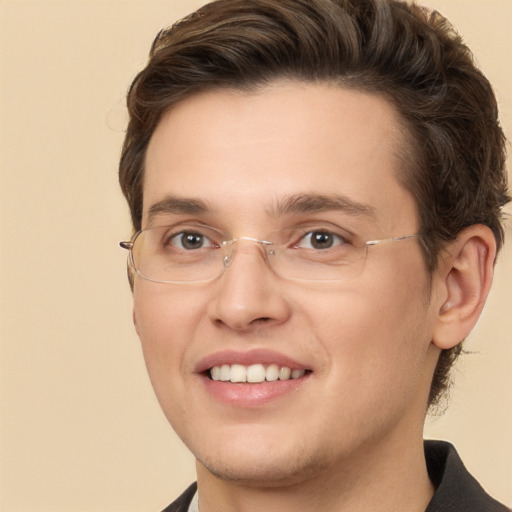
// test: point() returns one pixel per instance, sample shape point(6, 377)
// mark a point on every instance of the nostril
point(261, 320)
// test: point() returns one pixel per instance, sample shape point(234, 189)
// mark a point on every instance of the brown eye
point(190, 241)
point(320, 240)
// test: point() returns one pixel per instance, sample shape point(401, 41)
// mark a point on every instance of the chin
point(261, 469)
point(263, 476)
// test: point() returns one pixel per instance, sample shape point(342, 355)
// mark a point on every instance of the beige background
point(80, 428)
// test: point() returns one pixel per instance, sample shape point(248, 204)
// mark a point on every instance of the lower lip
point(252, 395)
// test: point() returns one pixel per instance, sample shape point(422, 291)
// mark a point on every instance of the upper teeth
point(253, 373)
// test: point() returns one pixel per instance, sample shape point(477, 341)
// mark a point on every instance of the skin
point(349, 437)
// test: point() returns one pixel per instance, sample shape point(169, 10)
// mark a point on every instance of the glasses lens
point(171, 255)
point(166, 254)
point(320, 263)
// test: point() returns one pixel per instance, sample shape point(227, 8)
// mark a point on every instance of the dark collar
point(183, 502)
point(456, 489)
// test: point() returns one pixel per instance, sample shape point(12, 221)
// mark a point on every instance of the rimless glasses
point(198, 253)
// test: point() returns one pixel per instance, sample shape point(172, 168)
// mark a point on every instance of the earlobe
point(466, 278)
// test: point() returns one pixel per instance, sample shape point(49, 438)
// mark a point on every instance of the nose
point(248, 293)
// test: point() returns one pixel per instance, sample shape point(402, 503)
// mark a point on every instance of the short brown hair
point(455, 166)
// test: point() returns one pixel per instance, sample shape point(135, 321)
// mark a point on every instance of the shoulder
point(183, 502)
point(456, 489)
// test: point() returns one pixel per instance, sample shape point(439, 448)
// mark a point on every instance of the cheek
point(375, 339)
point(165, 321)
point(162, 313)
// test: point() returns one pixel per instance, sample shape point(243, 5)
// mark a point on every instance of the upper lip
point(255, 356)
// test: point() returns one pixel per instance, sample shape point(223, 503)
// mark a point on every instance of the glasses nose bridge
point(230, 248)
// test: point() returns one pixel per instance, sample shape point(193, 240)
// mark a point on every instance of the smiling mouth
point(255, 373)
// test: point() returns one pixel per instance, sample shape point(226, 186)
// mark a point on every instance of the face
point(360, 348)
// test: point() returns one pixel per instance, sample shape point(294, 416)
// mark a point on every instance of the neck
point(389, 477)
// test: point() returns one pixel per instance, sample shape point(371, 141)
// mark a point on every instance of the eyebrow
point(294, 204)
point(178, 206)
point(317, 203)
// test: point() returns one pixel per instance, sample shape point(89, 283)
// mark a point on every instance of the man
point(316, 190)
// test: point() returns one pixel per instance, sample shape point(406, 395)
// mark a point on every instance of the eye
point(320, 240)
point(189, 241)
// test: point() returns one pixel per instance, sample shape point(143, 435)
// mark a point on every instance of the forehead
point(243, 148)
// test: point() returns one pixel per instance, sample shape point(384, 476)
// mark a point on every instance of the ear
point(134, 319)
point(465, 276)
